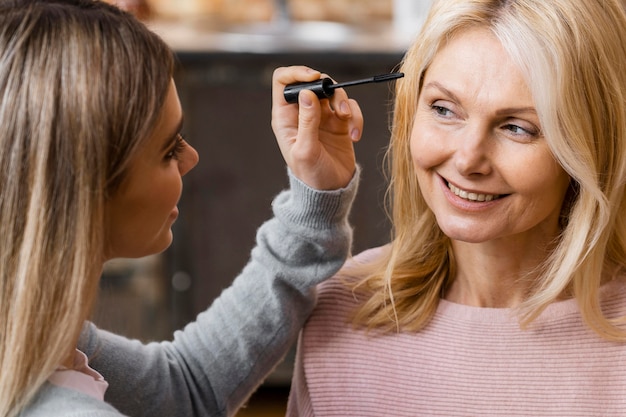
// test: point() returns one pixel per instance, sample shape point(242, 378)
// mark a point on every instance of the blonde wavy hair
point(573, 53)
point(81, 86)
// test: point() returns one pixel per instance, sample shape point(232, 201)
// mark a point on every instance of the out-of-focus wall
point(238, 11)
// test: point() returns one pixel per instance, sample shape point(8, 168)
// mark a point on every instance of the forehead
point(474, 63)
point(168, 123)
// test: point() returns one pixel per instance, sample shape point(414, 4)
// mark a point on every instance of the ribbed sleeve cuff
point(306, 207)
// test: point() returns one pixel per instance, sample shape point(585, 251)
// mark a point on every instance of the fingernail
point(305, 100)
point(343, 106)
point(354, 134)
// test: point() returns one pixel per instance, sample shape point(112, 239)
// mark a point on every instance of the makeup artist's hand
point(315, 136)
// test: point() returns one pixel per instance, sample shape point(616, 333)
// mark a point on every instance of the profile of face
point(482, 164)
point(139, 216)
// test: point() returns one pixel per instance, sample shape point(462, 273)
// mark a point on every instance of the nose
point(188, 160)
point(472, 153)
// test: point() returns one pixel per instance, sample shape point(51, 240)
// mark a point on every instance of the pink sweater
point(469, 361)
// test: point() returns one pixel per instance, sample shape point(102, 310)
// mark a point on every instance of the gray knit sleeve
point(214, 364)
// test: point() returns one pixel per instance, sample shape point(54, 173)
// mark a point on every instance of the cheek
point(163, 190)
point(537, 173)
point(427, 146)
point(175, 191)
point(157, 215)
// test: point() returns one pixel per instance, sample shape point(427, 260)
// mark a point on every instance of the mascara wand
point(324, 87)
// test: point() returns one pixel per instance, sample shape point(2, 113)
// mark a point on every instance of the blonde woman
point(502, 291)
point(91, 162)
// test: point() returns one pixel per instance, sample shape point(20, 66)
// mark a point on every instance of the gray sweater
point(213, 365)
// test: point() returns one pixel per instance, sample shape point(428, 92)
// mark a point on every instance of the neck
point(68, 361)
point(494, 274)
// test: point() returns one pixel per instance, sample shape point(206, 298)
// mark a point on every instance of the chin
point(159, 245)
point(165, 245)
point(465, 234)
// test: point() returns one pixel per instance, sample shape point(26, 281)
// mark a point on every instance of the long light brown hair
point(573, 53)
point(81, 86)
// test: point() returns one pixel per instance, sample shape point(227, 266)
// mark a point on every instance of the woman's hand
point(315, 136)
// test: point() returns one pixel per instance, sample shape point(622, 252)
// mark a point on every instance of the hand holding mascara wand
point(325, 88)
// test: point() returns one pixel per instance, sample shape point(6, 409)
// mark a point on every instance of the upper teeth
point(471, 196)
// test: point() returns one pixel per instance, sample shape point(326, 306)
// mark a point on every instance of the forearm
point(250, 327)
point(214, 364)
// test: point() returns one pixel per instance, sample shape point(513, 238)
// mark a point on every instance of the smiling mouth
point(469, 196)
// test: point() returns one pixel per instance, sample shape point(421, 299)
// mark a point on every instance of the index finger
point(284, 76)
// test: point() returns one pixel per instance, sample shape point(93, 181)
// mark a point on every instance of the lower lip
point(463, 204)
point(174, 214)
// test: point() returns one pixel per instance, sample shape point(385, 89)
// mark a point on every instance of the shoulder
point(53, 401)
point(338, 297)
point(613, 297)
point(353, 271)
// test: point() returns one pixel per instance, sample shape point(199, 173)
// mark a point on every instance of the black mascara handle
point(320, 87)
point(325, 87)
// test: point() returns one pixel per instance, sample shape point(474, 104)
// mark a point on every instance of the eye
point(177, 149)
point(441, 111)
point(521, 133)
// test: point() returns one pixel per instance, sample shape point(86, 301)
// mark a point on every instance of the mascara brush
point(325, 88)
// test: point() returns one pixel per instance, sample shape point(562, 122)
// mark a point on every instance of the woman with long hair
point(502, 290)
point(91, 163)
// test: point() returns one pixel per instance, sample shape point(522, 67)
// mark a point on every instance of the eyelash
point(440, 110)
point(445, 112)
point(514, 129)
point(177, 149)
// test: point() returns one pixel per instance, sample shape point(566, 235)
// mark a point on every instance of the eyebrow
point(174, 136)
point(441, 88)
point(499, 112)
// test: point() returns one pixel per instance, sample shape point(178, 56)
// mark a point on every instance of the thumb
point(309, 117)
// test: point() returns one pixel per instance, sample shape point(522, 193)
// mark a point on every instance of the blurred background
point(227, 51)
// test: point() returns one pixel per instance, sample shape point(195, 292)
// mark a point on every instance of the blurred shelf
point(263, 38)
